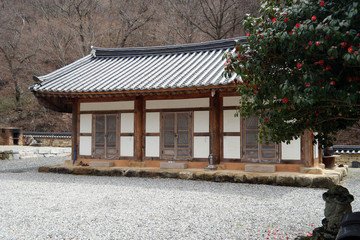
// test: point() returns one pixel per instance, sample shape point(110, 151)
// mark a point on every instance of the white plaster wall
point(107, 106)
point(232, 147)
point(316, 150)
point(153, 122)
point(201, 121)
point(85, 145)
point(291, 151)
point(177, 103)
point(127, 123)
point(127, 146)
point(201, 147)
point(152, 146)
point(85, 123)
point(231, 101)
point(231, 123)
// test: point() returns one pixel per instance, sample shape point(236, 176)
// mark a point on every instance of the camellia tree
point(300, 68)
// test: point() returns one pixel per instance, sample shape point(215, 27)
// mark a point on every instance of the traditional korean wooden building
point(159, 104)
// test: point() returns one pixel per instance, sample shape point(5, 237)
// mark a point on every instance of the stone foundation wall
point(51, 141)
point(347, 159)
point(55, 142)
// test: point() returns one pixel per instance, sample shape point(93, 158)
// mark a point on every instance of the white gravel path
point(58, 206)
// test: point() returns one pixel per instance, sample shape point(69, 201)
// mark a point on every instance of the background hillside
point(39, 36)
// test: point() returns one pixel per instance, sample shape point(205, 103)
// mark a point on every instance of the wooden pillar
point(139, 128)
point(75, 131)
point(307, 149)
point(215, 127)
point(320, 155)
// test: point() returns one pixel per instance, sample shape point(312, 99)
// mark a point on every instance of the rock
point(311, 170)
point(303, 181)
point(186, 175)
point(323, 182)
point(265, 179)
point(285, 180)
point(145, 174)
point(206, 176)
point(130, 173)
point(337, 206)
point(239, 178)
point(220, 177)
point(168, 174)
point(44, 169)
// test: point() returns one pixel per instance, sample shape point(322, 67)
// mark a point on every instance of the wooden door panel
point(176, 135)
point(253, 150)
point(106, 138)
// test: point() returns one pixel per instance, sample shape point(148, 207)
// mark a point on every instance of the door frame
point(260, 158)
point(175, 157)
point(117, 137)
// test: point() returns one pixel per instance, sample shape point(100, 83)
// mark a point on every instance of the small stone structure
point(11, 136)
point(338, 205)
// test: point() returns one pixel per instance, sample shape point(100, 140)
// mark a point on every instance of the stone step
point(170, 165)
point(261, 168)
point(101, 164)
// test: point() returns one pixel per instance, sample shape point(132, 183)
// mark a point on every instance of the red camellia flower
point(291, 32)
point(266, 120)
point(321, 62)
point(322, 3)
point(273, 20)
point(356, 53)
point(313, 18)
point(310, 43)
point(350, 49)
point(316, 63)
point(328, 67)
point(285, 100)
point(299, 65)
point(307, 85)
point(332, 83)
point(298, 25)
point(225, 64)
point(343, 44)
point(256, 91)
point(285, 20)
point(317, 43)
point(248, 34)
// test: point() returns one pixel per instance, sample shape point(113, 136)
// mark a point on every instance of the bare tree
point(218, 19)
point(15, 51)
point(175, 12)
point(126, 18)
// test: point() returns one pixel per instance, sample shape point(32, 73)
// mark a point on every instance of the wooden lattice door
point(176, 136)
point(253, 150)
point(105, 139)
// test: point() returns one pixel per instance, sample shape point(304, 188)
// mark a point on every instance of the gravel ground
point(54, 206)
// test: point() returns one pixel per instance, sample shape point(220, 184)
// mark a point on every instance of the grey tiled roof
point(139, 69)
point(48, 134)
point(346, 149)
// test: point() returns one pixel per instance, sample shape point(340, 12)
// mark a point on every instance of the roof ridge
point(164, 50)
